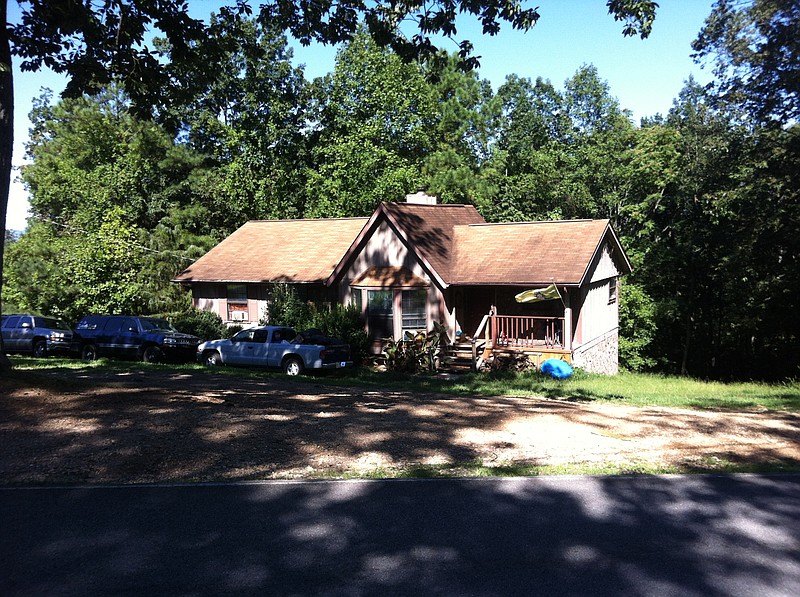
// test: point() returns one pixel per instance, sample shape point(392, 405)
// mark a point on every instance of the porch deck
point(538, 337)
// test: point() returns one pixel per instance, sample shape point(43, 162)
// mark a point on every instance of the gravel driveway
point(153, 426)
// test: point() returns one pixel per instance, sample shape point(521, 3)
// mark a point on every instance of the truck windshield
point(149, 324)
point(49, 322)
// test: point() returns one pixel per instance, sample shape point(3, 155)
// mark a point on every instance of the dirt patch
point(151, 426)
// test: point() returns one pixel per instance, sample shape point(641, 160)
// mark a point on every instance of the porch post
point(491, 329)
point(567, 321)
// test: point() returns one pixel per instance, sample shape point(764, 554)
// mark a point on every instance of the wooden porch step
point(457, 358)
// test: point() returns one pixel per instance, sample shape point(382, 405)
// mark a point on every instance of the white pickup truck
point(276, 346)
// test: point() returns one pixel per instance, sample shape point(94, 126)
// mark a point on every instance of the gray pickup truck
point(278, 347)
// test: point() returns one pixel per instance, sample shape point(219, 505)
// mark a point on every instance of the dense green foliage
point(203, 324)
point(705, 198)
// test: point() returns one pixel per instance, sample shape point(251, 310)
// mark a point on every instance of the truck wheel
point(293, 366)
point(40, 349)
point(212, 359)
point(89, 352)
point(152, 354)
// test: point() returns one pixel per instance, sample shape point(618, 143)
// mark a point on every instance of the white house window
point(237, 302)
point(612, 291)
point(414, 303)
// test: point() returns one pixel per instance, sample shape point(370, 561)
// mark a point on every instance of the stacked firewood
point(511, 363)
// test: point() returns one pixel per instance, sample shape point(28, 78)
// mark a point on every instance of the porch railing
point(526, 331)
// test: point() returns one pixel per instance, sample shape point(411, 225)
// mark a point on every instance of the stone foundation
point(600, 355)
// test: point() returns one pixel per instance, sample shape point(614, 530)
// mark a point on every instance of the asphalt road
point(671, 535)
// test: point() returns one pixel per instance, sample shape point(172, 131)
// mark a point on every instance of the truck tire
point(89, 352)
point(39, 348)
point(212, 359)
point(152, 354)
point(293, 366)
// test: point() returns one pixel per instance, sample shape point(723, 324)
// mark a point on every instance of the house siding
point(212, 296)
point(597, 316)
point(596, 313)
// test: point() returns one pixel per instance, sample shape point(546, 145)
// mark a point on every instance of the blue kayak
point(556, 368)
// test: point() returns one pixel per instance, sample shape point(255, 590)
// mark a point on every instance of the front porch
point(538, 337)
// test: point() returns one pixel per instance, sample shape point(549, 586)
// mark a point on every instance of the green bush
point(203, 324)
point(231, 330)
point(286, 308)
point(346, 324)
point(637, 328)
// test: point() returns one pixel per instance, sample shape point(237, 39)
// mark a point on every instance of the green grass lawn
point(626, 388)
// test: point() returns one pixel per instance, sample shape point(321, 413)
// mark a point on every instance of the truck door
point(116, 338)
point(10, 332)
point(278, 345)
point(259, 354)
point(23, 334)
point(129, 338)
point(241, 349)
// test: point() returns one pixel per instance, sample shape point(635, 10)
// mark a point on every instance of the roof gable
point(277, 251)
point(427, 231)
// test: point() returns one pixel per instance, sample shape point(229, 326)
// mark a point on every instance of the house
point(412, 264)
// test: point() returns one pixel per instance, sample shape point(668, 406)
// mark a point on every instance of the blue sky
point(645, 75)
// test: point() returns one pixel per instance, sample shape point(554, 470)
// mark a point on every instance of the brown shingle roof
point(277, 250)
point(526, 253)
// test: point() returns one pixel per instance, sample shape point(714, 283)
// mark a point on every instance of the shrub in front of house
point(286, 308)
point(346, 324)
point(203, 324)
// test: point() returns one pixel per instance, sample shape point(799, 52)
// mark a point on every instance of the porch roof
point(389, 277)
point(277, 251)
point(528, 252)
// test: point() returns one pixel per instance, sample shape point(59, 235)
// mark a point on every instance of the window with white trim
point(415, 313)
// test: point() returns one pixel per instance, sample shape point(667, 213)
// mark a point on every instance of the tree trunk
point(6, 143)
